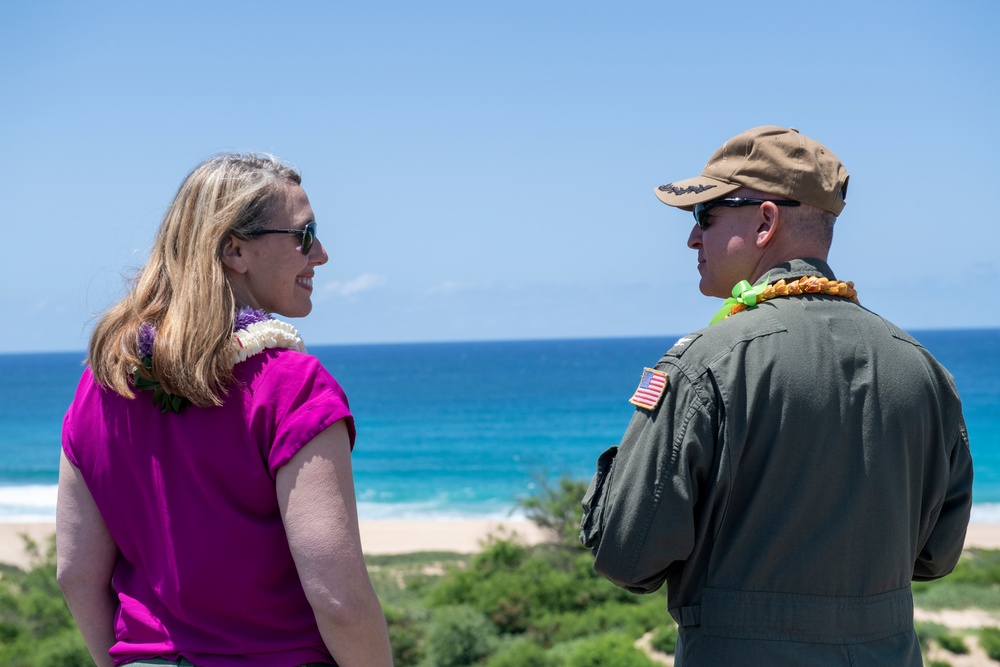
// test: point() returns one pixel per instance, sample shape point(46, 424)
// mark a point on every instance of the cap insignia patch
point(691, 189)
point(651, 388)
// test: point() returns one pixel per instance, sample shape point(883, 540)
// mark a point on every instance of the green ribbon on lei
point(743, 292)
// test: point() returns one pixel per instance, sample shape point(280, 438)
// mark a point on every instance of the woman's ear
point(232, 255)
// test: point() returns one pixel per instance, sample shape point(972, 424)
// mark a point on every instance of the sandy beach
point(377, 537)
point(407, 536)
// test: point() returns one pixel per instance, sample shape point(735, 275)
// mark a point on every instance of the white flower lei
point(261, 336)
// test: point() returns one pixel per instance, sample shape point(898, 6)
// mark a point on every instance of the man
point(792, 467)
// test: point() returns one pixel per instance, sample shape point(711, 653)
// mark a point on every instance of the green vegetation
point(618, 650)
point(520, 652)
point(508, 605)
point(953, 644)
point(928, 632)
point(511, 604)
point(557, 508)
point(937, 633)
point(36, 629)
point(665, 639)
point(974, 583)
point(459, 635)
point(989, 639)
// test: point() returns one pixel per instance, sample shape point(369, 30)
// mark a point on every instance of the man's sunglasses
point(308, 235)
point(701, 210)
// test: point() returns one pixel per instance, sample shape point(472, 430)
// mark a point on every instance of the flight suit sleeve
point(941, 550)
point(639, 507)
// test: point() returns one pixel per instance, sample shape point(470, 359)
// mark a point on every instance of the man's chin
point(708, 290)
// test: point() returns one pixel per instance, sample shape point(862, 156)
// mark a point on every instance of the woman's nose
point(317, 253)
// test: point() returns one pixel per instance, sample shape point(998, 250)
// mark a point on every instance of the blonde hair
point(182, 290)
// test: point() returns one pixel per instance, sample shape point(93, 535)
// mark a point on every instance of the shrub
point(945, 594)
point(459, 636)
point(612, 649)
point(461, 586)
point(65, 649)
point(36, 628)
point(989, 639)
point(977, 566)
point(927, 631)
point(515, 586)
point(406, 636)
point(522, 653)
point(557, 509)
point(952, 644)
point(665, 639)
point(975, 582)
point(633, 618)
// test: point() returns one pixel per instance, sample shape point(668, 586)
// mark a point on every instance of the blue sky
point(485, 170)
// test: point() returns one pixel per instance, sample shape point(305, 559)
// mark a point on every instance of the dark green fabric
point(805, 449)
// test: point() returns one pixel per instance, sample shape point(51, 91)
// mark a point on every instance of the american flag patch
point(650, 389)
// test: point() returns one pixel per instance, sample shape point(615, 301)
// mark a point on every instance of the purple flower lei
point(147, 335)
point(247, 316)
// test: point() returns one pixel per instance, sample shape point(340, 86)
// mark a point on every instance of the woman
point(206, 508)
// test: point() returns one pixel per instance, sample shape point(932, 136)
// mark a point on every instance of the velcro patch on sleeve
point(651, 387)
point(682, 345)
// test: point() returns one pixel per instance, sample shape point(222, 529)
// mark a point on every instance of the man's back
point(838, 428)
point(809, 459)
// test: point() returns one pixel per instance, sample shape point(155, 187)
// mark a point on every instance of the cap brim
point(685, 194)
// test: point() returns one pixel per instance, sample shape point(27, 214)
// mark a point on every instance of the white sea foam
point(37, 503)
point(436, 511)
point(28, 504)
point(986, 513)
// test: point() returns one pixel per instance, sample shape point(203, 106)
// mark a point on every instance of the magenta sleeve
point(304, 400)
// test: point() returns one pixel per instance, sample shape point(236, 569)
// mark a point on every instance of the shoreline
point(379, 537)
point(400, 536)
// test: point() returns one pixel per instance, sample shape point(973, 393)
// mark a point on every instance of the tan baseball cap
point(772, 159)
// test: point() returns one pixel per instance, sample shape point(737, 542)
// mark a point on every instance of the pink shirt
point(205, 571)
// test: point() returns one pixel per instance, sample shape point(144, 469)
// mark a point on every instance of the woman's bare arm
point(316, 497)
point(85, 559)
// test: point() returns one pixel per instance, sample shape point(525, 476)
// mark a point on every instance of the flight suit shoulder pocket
point(594, 502)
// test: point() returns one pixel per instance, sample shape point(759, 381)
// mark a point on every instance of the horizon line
point(527, 339)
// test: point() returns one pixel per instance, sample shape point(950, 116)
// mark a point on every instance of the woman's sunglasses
point(308, 235)
point(701, 210)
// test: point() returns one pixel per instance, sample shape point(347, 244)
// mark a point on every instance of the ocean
point(464, 430)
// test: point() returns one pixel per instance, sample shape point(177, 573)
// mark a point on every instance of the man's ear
point(232, 255)
point(768, 221)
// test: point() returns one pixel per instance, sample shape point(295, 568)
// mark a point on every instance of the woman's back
point(206, 505)
point(190, 501)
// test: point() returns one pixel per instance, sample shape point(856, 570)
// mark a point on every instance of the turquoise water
point(463, 429)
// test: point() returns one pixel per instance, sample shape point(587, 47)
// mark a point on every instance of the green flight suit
point(806, 460)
